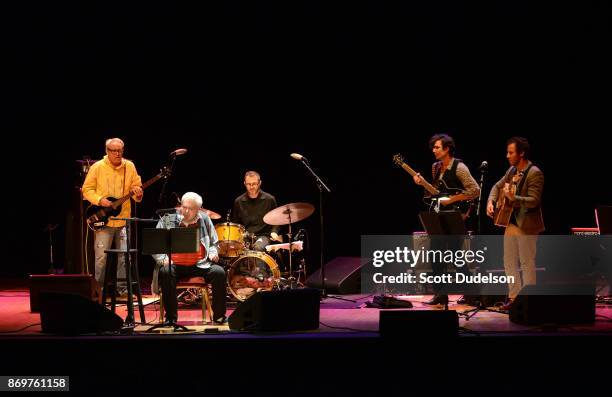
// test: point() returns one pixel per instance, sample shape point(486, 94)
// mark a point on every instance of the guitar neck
point(119, 202)
point(428, 186)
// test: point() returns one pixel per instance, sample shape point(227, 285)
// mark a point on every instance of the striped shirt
point(470, 186)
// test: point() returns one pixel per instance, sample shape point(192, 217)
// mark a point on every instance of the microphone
point(483, 166)
point(163, 211)
point(179, 152)
point(299, 235)
point(298, 156)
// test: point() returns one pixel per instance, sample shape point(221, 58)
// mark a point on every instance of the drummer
point(250, 208)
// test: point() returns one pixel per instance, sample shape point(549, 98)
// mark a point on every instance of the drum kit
point(250, 271)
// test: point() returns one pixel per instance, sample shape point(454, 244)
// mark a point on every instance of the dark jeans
point(214, 275)
point(444, 243)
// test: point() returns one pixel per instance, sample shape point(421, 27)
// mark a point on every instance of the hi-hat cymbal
point(288, 213)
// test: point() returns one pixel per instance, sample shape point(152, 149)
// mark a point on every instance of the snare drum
point(231, 239)
point(253, 272)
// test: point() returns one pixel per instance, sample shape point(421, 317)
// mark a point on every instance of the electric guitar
point(97, 216)
point(438, 194)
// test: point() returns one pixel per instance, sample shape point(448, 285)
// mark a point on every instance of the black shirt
point(250, 212)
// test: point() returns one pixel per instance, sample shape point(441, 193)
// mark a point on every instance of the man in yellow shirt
point(113, 176)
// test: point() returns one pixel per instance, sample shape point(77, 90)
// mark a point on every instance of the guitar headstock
point(398, 159)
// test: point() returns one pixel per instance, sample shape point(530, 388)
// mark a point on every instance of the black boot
point(438, 300)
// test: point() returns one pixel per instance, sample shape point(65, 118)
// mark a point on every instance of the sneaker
point(506, 306)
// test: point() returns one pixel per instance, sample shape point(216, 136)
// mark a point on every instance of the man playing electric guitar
point(113, 176)
point(450, 175)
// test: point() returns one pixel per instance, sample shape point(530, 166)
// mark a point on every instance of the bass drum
point(254, 271)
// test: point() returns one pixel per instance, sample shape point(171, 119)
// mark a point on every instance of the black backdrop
point(348, 84)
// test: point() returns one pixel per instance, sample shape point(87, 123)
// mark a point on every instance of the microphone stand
point(483, 171)
point(480, 305)
point(322, 188)
point(162, 194)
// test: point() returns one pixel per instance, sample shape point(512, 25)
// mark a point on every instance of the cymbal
point(288, 213)
point(211, 214)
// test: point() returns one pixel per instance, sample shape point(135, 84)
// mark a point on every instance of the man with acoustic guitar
point(112, 177)
point(515, 203)
point(452, 179)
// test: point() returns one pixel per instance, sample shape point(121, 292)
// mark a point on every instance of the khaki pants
point(519, 259)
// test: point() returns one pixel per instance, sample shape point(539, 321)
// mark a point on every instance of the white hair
point(192, 196)
point(114, 140)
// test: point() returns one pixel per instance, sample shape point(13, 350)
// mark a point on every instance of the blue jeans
point(104, 240)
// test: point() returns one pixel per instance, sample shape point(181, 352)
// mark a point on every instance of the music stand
point(170, 241)
point(443, 223)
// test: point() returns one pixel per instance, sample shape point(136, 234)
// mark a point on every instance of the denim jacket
point(208, 238)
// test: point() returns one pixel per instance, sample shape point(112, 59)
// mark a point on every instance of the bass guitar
point(439, 193)
point(97, 216)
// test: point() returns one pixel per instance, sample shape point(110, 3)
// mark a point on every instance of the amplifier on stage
point(79, 284)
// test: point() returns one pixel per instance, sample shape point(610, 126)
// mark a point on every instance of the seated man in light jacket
point(197, 264)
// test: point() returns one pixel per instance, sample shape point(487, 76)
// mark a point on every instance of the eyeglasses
point(252, 184)
point(117, 151)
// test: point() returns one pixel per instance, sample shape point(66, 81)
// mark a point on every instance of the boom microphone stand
point(322, 188)
point(162, 194)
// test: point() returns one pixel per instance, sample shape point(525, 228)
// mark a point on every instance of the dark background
point(347, 84)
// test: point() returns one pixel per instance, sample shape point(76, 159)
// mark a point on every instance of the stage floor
point(341, 356)
point(336, 316)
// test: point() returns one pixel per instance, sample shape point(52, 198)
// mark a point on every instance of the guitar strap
point(123, 187)
point(510, 174)
point(523, 179)
point(437, 171)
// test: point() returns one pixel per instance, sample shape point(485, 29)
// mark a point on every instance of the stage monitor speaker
point(436, 324)
point(342, 275)
point(538, 305)
point(286, 310)
point(79, 284)
point(72, 314)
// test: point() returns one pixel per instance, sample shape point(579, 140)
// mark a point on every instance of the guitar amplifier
point(79, 284)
